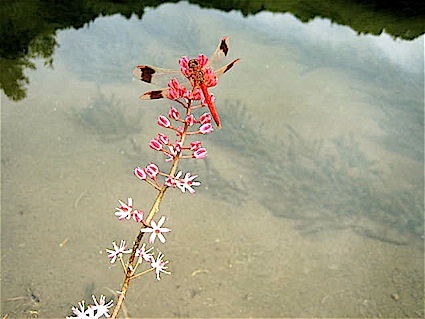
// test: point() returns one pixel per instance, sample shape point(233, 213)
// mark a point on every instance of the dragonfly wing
point(226, 68)
point(219, 55)
point(154, 95)
point(157, 76)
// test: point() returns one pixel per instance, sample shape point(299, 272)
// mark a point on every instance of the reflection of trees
point(12, 78)
point(322, 185)
point(28, 27)
point(27, 31)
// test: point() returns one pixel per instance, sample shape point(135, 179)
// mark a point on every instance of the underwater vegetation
point(107, 119)
point(324, 185)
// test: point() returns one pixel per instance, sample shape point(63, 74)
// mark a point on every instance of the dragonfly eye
point(193, 63)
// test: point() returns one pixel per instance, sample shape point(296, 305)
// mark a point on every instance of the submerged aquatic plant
point(107, 119)
point(185, 125)
point(321, 184)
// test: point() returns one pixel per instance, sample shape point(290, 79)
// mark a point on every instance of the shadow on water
point(324, 185)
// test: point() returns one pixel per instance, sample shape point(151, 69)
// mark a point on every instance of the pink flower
point(190, 120)
point(140, 173)
point(159, 265)
point(152, 170)
point(163, 138)
point(200, 153)
point(156, 230)
point(174, 114)
point(195, 94)
point(206, 128)
point(155, 144)
point(163, 121)
point(100, 307)
point(124, 211)
point(210, 79)
point(180, 130)
point(175, 151)
point(175, 90)
point(203, 60)
point(117, 251)
point(195, 145)
point(81, 313)
point(178, 147)
point(169, 181)
point(137, 215)
point(187, 182)
point(184, 66)
point(205, 118)
point(144, 254)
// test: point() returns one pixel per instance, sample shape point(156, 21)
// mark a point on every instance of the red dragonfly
point(197, 74)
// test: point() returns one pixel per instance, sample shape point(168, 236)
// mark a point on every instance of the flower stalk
point(200, 76)
point(129, 275)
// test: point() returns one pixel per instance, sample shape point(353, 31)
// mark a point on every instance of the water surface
point(312, 194)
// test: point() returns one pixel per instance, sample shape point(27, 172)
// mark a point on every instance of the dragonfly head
point(193, 63)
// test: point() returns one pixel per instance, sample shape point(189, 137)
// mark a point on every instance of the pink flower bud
point(210, 79)
point(180, 130)
point(174, 114)
point(163, 138)
point(195, 145)
point(184, 66)
point(200, 153)
point(163, 121)
point(140, 173)
point(155, 144)
point(190, 120)
point(203, 60)
point(205, 118)
point(184, 62)
point(137, 215)
point(193, 94)
point(206, 128)
point(152, 170)
point(173, 94)
point(169, 181)
point(175, 90)
point(177, 148)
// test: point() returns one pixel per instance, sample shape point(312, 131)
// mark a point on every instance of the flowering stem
point(142, 273)
point(200, 76)
point(155, 208)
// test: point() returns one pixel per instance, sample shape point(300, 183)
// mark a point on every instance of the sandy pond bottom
point(60, 185)
point(235, 262)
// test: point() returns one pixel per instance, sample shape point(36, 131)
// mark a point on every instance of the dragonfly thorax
point(197, 76)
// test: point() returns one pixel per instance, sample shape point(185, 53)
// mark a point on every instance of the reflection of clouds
point(107, 49)
point(101, 51)
point(408, 54)
point(322, 33)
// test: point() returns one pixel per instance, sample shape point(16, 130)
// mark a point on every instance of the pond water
point(311, 202)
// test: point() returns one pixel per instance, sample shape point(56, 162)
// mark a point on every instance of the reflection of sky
point(320, 125)
point(105, 50)
point(321, 32)
point(387, 72)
